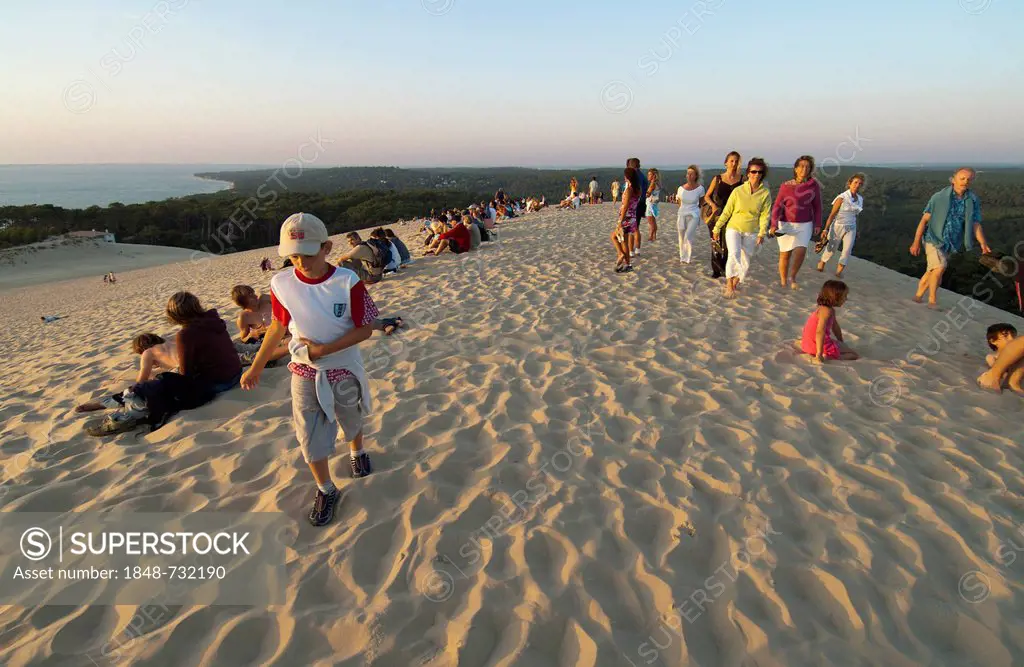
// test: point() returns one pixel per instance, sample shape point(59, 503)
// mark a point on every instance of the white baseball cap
point(302, 234)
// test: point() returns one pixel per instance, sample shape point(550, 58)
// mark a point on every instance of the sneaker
point(361, 466)
point(124, 420)
point(323, 507)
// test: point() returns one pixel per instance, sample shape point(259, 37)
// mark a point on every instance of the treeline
point(358, 197)
point(225, 222)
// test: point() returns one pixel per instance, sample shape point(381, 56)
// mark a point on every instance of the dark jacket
point(403, 251)
point(206, 352)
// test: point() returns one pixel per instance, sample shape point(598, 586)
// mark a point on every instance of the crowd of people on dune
point(316, 313)
point(318, 309)
point(739, 214)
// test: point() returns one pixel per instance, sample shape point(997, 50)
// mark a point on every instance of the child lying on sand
point(155, 354)
point(1007, 362)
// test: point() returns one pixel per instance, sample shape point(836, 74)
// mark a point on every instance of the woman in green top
point(745, 220)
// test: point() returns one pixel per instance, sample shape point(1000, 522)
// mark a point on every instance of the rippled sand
point(573, 467)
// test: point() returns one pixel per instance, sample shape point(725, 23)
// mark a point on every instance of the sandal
point(391, 325)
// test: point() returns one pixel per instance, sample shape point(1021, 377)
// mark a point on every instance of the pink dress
point(629, 224)
point(809, 341)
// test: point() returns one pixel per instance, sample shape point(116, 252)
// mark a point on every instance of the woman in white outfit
point(689, 196)
point(745, 221)
point(841, 226)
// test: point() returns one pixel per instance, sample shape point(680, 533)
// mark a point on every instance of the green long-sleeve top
point(747, 211)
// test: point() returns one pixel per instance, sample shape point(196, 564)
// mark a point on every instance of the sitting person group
point(201, 360)
point(206, 363)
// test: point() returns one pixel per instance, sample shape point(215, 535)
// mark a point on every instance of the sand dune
point(49, 262)
point(574, 467)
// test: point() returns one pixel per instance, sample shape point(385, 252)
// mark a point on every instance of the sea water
point(85, 185)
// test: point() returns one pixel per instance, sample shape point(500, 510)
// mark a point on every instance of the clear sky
point(517, 82)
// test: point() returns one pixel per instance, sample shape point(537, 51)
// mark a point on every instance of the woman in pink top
point(795, 216)
point(822, 338)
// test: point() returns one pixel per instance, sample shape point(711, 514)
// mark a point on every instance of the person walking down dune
point(653, 199)
point(719, 189)
point(796, 216)
point(841, 226)
point(950, 224)
point(745, 220)
point(641, 207)
point(328, 312)
point(689, 196)
point(624, 233)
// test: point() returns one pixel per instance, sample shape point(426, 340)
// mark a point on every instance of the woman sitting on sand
point(624, 233)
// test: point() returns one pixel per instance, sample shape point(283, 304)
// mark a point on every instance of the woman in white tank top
point(689, 196)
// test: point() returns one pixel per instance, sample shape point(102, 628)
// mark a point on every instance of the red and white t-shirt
point(317, 304)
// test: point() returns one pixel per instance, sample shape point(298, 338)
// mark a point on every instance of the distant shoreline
point(231, 184)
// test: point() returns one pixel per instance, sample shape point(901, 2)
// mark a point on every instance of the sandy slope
point(47, 262)
point(573, 468)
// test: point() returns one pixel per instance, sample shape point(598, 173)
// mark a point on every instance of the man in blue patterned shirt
point(951, 221)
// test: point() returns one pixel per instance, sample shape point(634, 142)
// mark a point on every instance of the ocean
point(85, 185)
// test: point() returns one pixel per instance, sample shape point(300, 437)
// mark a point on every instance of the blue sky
point(480, 82)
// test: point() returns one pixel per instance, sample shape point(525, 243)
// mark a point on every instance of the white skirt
point(797, 235)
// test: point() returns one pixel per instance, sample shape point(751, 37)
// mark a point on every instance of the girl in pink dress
point(822, 338)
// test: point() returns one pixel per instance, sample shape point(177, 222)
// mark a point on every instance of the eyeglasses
point(755, 171)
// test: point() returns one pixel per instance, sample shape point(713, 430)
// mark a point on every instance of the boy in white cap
point(328, 312)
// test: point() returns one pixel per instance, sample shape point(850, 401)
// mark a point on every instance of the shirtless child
point(155, 354)
point(1007, 361)
point(256, 313)
point(253, 321)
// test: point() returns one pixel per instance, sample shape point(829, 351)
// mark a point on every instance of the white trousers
point(840, 235)
point(687, 224)
point(742, 246)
